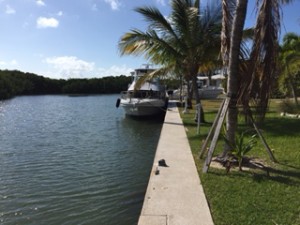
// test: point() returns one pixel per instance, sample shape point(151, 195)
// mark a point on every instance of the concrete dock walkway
point(174, 196)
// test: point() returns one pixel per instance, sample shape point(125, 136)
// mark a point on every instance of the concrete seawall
point(174, 194)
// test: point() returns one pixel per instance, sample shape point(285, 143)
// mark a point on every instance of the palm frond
point(268, 26)
point(248, 34)
point(161, 72)
point(185, 42)
point(134, 42)
point(157, 21)
point(148, 44)
point(264, 54)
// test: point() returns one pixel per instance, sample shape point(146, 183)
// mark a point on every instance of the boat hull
point(210, 93)
point(143, 107)
point(204, 93)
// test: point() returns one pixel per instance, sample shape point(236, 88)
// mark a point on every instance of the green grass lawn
point(253, 197)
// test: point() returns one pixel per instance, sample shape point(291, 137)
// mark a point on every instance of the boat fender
point(118, 103)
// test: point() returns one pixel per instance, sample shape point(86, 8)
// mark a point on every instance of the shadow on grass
point(213, 112)
point(288, 177)
point(194, 124)
point(286, 173)
point(190, 124)
point(288, 165)
point(258, 177)
point(198, 137)
point(282, 126)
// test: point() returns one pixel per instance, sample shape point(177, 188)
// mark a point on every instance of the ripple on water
point(73, 161)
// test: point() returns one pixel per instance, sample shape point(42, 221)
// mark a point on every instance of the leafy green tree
point(262, 66)
point(14, 83)
point(6, 90)
point(290, 63)
point(182, 43)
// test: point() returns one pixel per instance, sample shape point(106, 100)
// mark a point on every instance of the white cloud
point(60, 13)
point(43, 22)
point(9, 10)
point(71, 66)
point(66, 67)
point(114, 4)
point(40, 3)
point(114, 71)
point(8, 64)
point(13, 62)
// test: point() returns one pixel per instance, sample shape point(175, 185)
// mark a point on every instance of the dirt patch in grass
point(249, 163)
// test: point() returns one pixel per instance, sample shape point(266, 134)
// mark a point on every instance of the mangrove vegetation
point(15, 83)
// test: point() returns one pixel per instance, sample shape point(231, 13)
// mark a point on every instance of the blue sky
point(79, 38)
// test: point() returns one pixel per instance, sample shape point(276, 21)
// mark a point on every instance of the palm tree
point(230, 54)
point(290, 60)
point(263, 58)
point(182, 43)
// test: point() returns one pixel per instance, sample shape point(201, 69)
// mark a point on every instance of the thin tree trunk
point(292, 85)
point(181, 85)
point(197, 97)
point(190, 95)
point(233, 73)
point(295, 95)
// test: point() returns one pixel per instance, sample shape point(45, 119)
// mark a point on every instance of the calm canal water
point(73, 160)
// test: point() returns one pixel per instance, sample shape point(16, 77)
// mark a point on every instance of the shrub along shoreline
point(14, 83)
point(252, 196)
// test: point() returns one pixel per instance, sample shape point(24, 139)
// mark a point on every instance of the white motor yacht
point(207, 89)
point(150, 99)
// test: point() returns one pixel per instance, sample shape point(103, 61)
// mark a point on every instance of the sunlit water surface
point(73, 160)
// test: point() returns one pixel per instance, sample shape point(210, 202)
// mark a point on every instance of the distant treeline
point(14, 83)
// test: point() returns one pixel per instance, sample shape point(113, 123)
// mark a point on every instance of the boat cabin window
point(143, 94)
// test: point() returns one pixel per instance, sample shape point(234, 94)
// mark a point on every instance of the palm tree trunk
point(197, 97)
point(295, 95)
point(293, 89)
point(190, 95)
point(233, 73)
